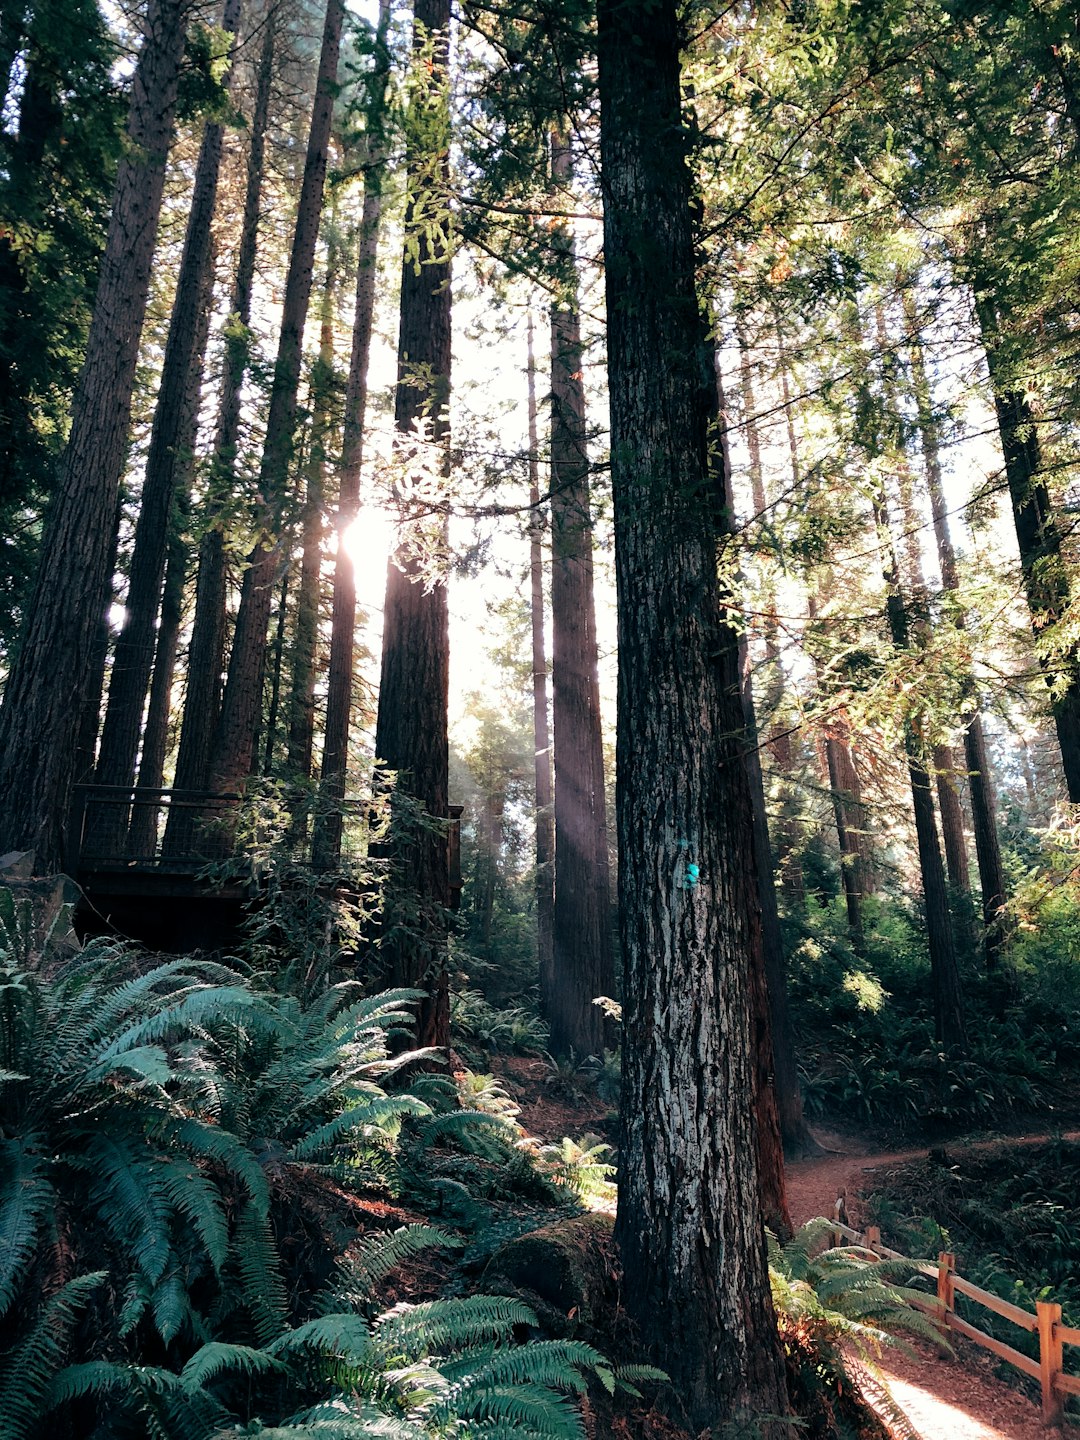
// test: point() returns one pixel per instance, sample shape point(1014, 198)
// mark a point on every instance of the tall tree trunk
point(206, 652)
point(689, 1218)
point(306, 628)
point(411, 729)
point(142, 832)
point(545, 818)
point(327, 841)
point(1042, 565)
point(235, 741)
point(51, 675)
point(949, 1023)
point(583, 965)
point(779, 1096)
point(780, 741)
point(133, 655)
point(980, 778)
point(277, 660)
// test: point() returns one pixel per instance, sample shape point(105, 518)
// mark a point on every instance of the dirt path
point(942, 1398)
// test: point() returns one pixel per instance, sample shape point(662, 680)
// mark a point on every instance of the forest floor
point(944, 1398)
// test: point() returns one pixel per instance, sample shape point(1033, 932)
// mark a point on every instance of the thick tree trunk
point(51, 676)
point(583, 965)
point(980, 779)
point(1042, 565)
point(235, 742)
point(952, 819)
point(133, 655)
point(327, 842)
point(277, 661)
point(206, 652)
point(545, 817)
point(689, 1220)
point(411, 730)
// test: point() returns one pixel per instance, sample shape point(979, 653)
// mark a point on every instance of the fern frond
point(524, 1406)
point(260, 1274)
point(25, 1197)
point(217, 1358)
point(342, 1336)
point(375, 1115)
point(31, 1365)
point(430, 1328)
point(371, 1258)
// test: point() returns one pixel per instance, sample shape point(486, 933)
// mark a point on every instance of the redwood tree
point(411, 730)
point(43, 699)
point(689, 1219)
point(582, 963)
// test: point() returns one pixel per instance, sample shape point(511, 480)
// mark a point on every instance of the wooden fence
point(1045, 1322)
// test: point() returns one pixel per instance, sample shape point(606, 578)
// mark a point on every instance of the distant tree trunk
point(235, 742)
point(689, 1219)
point(980, 779)
point(780, 742)
point(133, 655)
point(142, 832)
point(411, 730)
point(949, 1023)
point(277, 660)
point(545, 819)
point(327, 842)
point(306, 628)
point(842, 774)
point(779, 1096)
point(206, 652)
point(1042, 565)
point(582, 958)
point(51, 675)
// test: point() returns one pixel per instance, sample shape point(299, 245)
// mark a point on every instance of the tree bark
point(51, 676)
point(327, 840)
point(1042, 565)
point(689, 1219)
point(980, 778)
point(545, 817)
point(206, 652)
point(583, 965)
point(235, 742)
point(411, 729)
point(133, 655)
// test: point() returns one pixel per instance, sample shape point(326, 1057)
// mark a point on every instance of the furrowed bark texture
point(206, 652)
point(133, 655)
point(980, 779)
point(239, 722)
point(689, 1222)
point(545, 819)
point(326, 848)
point(43, 700)
point(1038, 536)
point(411, 730)
point(583, 965)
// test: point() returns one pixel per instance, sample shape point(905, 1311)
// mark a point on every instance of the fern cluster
point(169, 1137)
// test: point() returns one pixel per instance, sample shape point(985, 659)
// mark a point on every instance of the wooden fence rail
point(1046, 1322)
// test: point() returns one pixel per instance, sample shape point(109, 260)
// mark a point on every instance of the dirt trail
point(942, 1398)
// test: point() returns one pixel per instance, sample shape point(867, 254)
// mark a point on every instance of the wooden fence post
point(1050, 1360)
point(873, 1237)
point(946, 1291)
